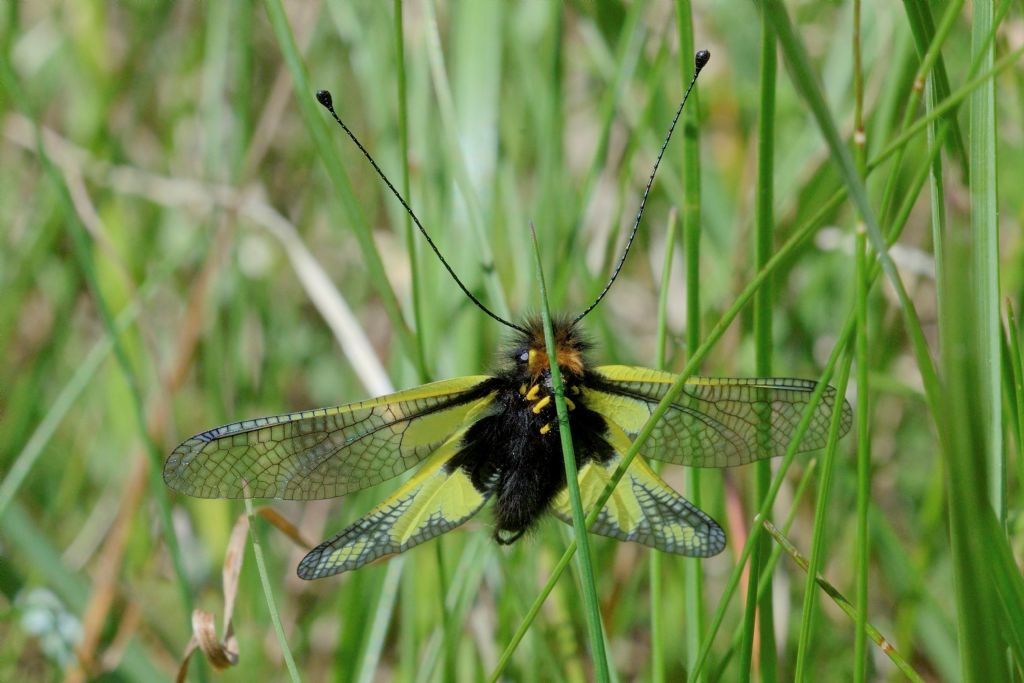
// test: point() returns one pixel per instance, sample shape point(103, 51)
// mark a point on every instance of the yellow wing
point(642, 508)
point(715, 422)
point(433, 502)
point(326, 452)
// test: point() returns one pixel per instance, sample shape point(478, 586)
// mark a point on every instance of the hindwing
point(433, 502)
point(642, 507)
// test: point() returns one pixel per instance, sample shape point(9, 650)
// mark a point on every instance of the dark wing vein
point(326, 452)
point(715, 422)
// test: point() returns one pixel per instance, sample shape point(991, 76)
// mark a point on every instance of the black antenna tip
point(700, 59)
point(324, 98)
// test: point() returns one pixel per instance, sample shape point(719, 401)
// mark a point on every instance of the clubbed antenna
point(324, 98)
point(700, 60)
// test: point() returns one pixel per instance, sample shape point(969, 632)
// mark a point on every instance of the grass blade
point(655, 565)
point(352, 214)
point(764, 224)
point(33, 449)
point(410, 235)
point(693, 570)
point(579, 525)
point(985, 233)
point(806, 83)
point(818, 541)
point(844, 604)
point(268, 594)
point(863, 460)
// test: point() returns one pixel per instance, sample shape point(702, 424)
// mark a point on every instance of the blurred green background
point(188, 240)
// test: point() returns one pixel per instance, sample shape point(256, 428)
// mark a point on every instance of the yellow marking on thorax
point(541, 404)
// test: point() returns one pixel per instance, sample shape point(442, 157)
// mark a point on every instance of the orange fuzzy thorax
point(569, 350)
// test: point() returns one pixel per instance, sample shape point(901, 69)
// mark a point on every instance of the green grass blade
point(764, 224)
point(964, 433)
point(374, 643)
point(1009, 588)
point(591, 605)
point(844, 337)
point(463, 176)
point(806, 83)
point(922, 26)
point(33, 449)
point(268, 594)
point(378, 630)
point(532, 612)
point(901, 663)
point(351, 212)
point(410, 234)
point(985, 232)
point(693, 570)
point(655, 566)
point(863, 460)
point(818, 538)
point(765, 509)
point(948, 104)
point(661, 329)
point(860, 147)
point(769, 568)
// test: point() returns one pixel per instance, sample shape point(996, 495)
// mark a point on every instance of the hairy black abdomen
point(507, 454)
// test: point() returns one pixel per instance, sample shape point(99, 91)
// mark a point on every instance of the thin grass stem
point(693, 570)
point(655, 562)
point(268, 594)
point(29, 455)
point(410, 234)
point(591, 605)
point(764, 224)
point(769, 568)
point(819, 530)
point(349, 212)
point(863, 460)
point(886, 647)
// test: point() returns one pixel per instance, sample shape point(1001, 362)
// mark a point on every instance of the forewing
point(642, 508)
point(326, 452)
point(715, 422)
point(431, 503)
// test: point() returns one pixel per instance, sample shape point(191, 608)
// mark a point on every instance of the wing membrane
point(714, 422)
point(431, 503)
point(642, 508)
point(327, 452)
